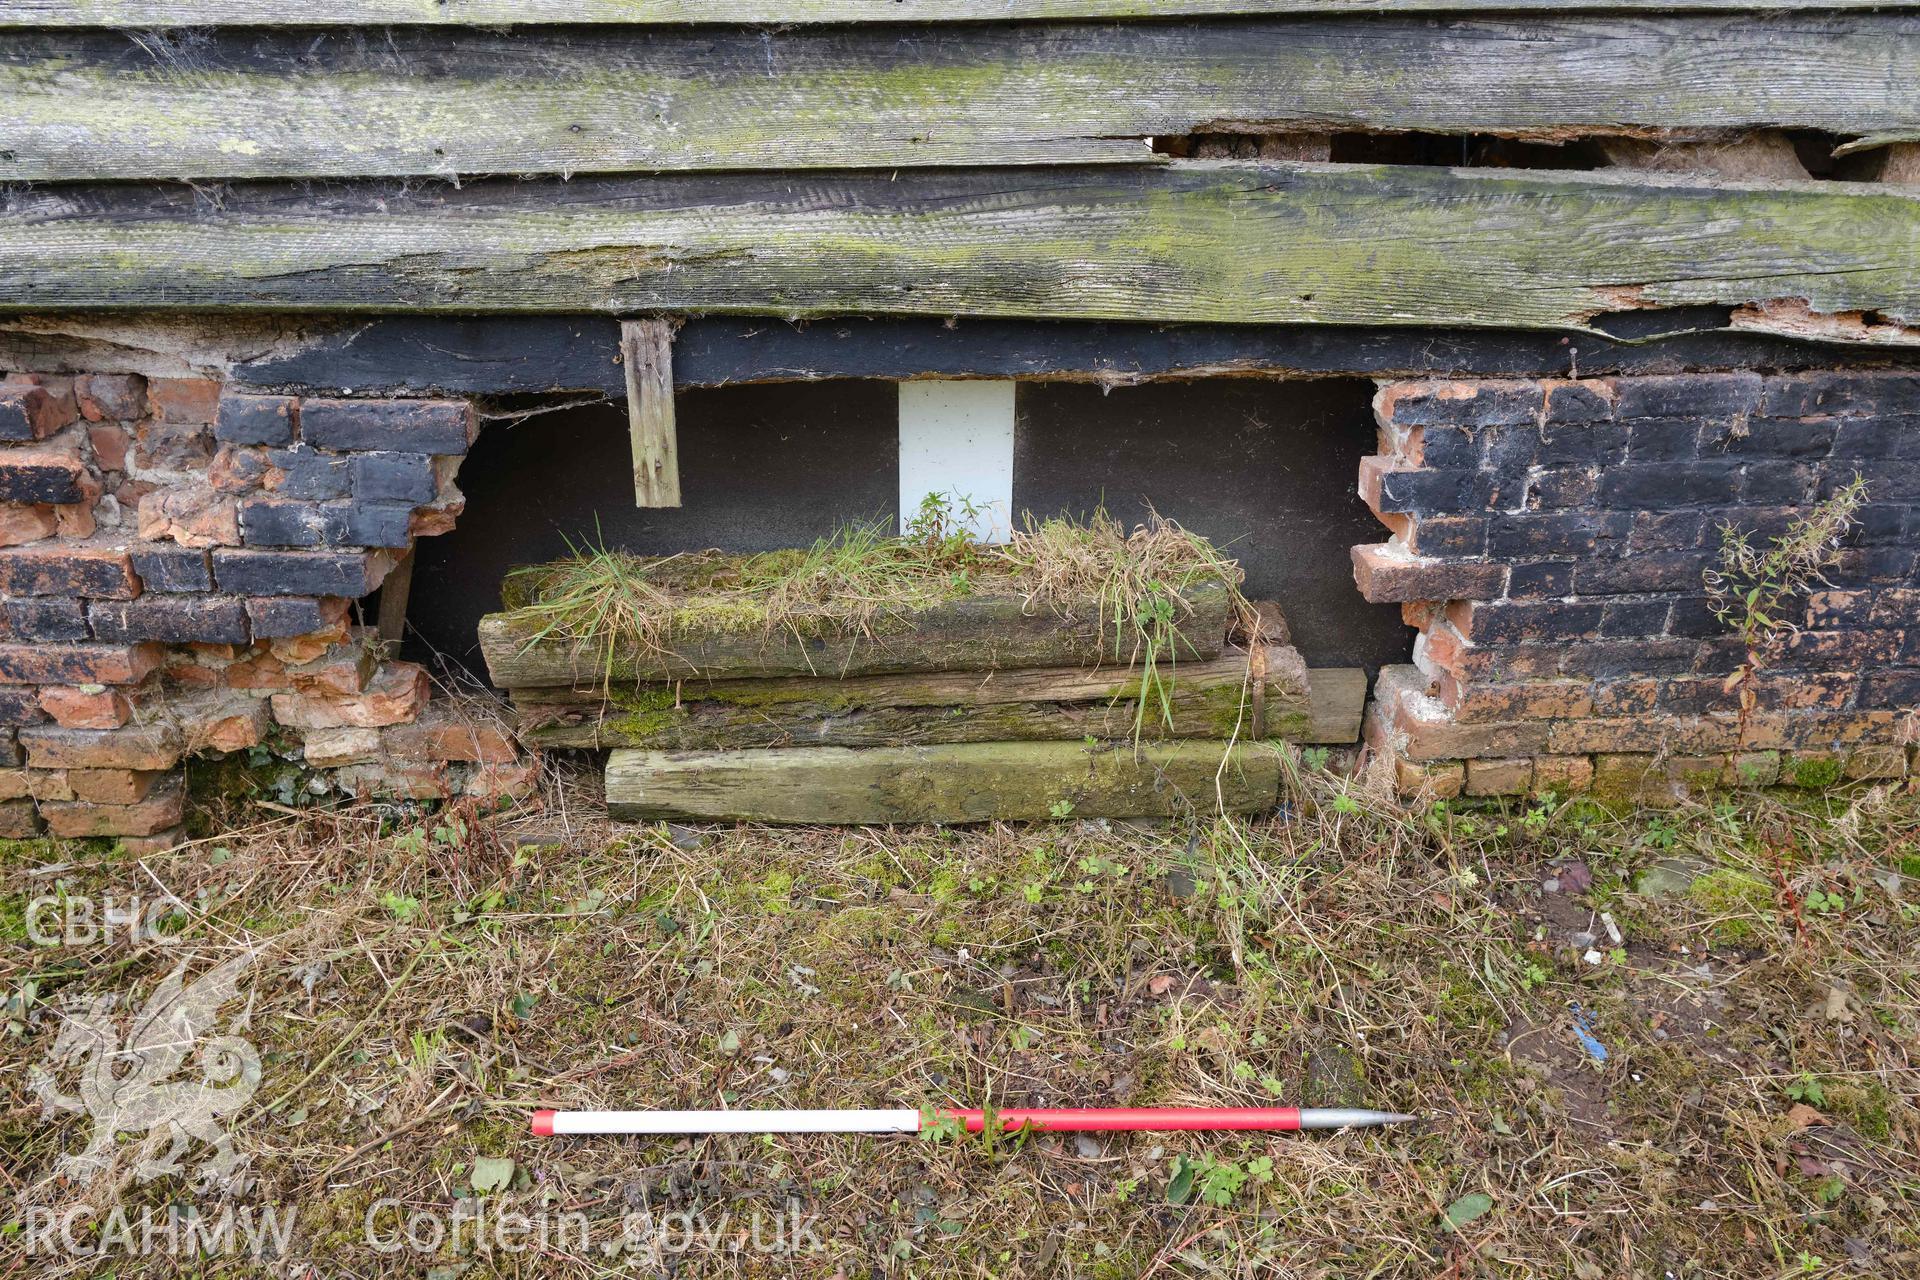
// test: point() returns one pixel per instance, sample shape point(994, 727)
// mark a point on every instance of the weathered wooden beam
point(502, 355)
point(1195, 700)
point(1198, 241)
point(79, 107)
point(646, 351)
point(396, 591)
point(966, 782)
point(971, 633)
point(209, 13)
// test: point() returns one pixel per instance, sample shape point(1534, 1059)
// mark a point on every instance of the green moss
point(1814, 772)
point(1740, 897)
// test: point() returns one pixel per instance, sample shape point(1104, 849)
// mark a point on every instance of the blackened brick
point(1891, 689)
point(30, 410)
point(1804, 395)
point(1545, 579)
point(168, 568)
point(1693, 616)
point(1689, 484)
point(43, 475)
point(1688, 395)
point(175, 619)
point(1896, 480)
point(1579, 402)
point(297, 573)
point(96, 572)
point(78, 664)
point(1776, 482)
point(1631, 575)
point(269, 523)
point(1626, 618)
point(1881, 522)
point(310, 474)
point(256, 419)
point(1515, 622)
point(1514, 536)
point(1861, 438)
point(1561, 487)
point(1663, 440)
point(369, 525)
point(1429, 490)
point(1773, 438)
point(1471, 403)
point(400, 426)
point(1666, 530)
point(1607, 659)
point(17, 707)
point(1450, 535)
point(1439, 447)
point(50, 618)
point(282, 618)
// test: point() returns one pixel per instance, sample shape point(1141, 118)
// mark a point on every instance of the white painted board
point(956, 439)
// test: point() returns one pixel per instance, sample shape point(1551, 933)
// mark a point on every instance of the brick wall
point(1548, 543)
point(177, 569)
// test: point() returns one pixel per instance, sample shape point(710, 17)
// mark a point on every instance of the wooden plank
point(975, 633)
point(437, 355)
point(78, 107)
point(965, 782)
point(396, 590)
point(646, 350)
point(1339, 702)
point(214, 13)
point(1199, 241)
point(1204, 700)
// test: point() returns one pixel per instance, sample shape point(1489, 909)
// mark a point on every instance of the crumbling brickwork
point(177, 570)
point(1549, 540)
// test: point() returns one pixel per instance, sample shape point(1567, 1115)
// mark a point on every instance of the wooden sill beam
point(1200, 242)
point(213, 13)
point(99, 107)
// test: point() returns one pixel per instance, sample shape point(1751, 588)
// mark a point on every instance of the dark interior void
point(1265, 468)
point(761, 467)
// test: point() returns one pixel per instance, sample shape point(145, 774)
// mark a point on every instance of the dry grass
point(863, 581)
point(440, 978)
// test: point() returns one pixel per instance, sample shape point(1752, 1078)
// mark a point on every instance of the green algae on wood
point(1223, 242)
point(971, 633)
point(1206, 700)
point(966, 782)
point(77, 107)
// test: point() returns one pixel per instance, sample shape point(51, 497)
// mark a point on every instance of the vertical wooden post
point(394, 592)
point(646, 348)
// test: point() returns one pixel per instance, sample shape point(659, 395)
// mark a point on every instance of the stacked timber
point(969, 709)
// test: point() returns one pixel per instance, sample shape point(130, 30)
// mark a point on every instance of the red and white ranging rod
point(547, 1124)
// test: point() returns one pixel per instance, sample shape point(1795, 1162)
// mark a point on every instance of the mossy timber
point(963, 782)
point(1206, 700)
point(1204, 241)
point(972, 633)
point(453, 103)
point(206, 13)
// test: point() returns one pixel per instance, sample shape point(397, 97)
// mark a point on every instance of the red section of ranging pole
point(1136, 1119)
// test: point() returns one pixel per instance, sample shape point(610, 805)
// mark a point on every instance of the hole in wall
point(1265, 468)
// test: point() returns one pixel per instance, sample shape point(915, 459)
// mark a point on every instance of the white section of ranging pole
point(649, 1122)
point(956, 441)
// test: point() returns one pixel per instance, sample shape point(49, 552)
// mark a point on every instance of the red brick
point(111, 397)
point(502, 781)
point(1388, 575)
point(444, 733)
point(1877, 762)
point(1511, 777)
point(1562, 774)
point(1545, 700)
point(416, 781)
point(77, 522)
point(330, 748)
point(192, 516)
point(113, 786)
point(394, 696)
point(89, 707)
point(340, 671)
point(110, 443)
point(33, 408)
point(1438, 780)
point(260, 671)
point(158, 812)
point(49, 784)
point(14, 784)
point(78, 663)
point(99, 573)
point(135, 747)
point(20, 525)
point(232, 722)
point(189, 400)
